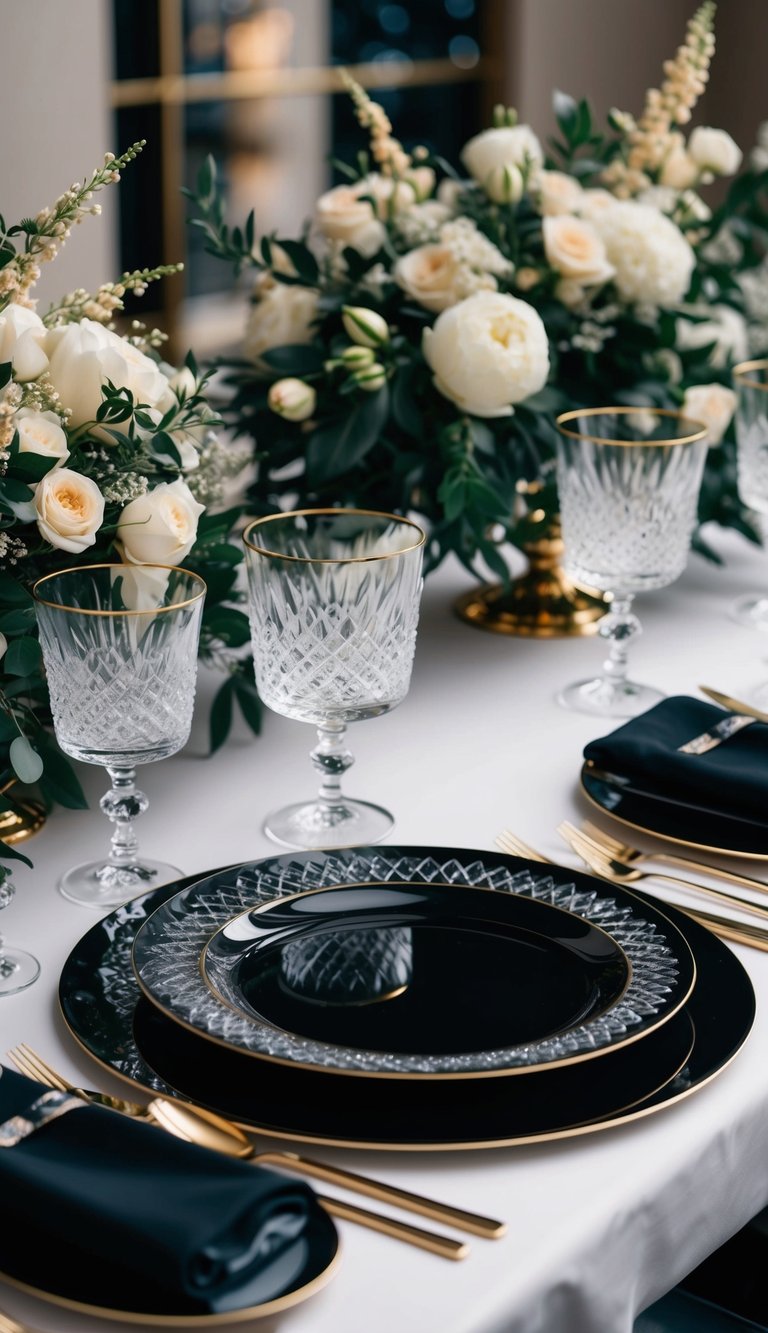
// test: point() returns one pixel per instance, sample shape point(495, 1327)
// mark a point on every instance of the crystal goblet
point(334, 605)
point(751, 382)
point(628, 481)
point(120, 651)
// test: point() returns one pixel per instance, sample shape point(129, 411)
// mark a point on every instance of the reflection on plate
point(113, 1292)
point(168, 949)
point(99, 994)
point(409, 968)
point(674, 821)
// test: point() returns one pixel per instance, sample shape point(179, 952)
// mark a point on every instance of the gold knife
point(734, 705)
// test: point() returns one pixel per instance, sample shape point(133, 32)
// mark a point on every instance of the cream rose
point(678, 168)
point(430, 275)
point(507, 146)
point(22, 334)
point(714, 150)
point(160, 527)
point(281, 317)
point(488, 352)
point(342, 216)
point(594, 201)
point(70, 509)
point(711, 404)
point(41, 433)
point(83, 356)
point(557, 193)
point(652, 259)
point(575, 249)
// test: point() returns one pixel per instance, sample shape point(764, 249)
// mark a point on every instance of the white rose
point(41, 433)
point(678, 168)
point(722, 326)
point(576, 250)
point(84, 356)
point(183, 382)
point(70, 509)
point(592, 202)
point(488, 352)
point(557, 192)
point(714, 150)
point(430, 275)
point(652, 259)
point(142, 588)
point(160, 527)
point(22, 334)
point(342, 216)
point(188, 445)
point(508, 146)
point(283, 316)
point(391, 196)
point(711, 404)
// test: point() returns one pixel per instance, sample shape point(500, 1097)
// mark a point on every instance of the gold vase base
point(535, 606)
point(20, 824)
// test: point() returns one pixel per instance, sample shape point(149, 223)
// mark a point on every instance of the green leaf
point(18, 621)
point(302, 259)
point(28, 468)
point(59, 781)
point(22, 657)
point(248, 701)
point(6, 369)
point(26, 762)
point(9, 853)
point(295, 359)
point(404, 409)
point(224, 622)
point(338, 446)
point(566, 110)
point(12, 592)
point(221, 714)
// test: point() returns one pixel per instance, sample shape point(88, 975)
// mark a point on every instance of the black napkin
point(731, 779)
point(165, 1215)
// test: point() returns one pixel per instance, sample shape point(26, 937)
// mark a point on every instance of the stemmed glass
point(628, 481)
point(18, 969)
point(751, 381)
point(334, 604)
point(120, 651)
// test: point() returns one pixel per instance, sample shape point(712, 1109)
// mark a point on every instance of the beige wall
point(57, 127)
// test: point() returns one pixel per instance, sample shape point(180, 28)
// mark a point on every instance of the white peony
point(70, 510)
point(342, 216)
point(282, 316)
point(721, 325)
point(41, 433)
point(83, 356)
point(711, 404)
point(488, 352)
point(508, 146)
point(557, 192)
point(714, 150)
point(159, 527)
point(22, 334)
point(575, 249)
point(652, 259)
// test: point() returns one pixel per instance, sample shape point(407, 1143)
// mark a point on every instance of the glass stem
point(7, 965)
point(123, 804)
point(619, 627)
point(332, 759)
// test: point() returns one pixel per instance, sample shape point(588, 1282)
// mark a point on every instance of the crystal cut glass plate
point(169, 946)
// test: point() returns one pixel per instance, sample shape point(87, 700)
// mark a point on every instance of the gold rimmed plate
point(674, 820)
point(498, 986)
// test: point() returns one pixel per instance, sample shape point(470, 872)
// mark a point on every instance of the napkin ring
point(708, 740)
point(46, 1108)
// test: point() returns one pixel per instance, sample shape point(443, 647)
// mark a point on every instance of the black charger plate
point(99, 998)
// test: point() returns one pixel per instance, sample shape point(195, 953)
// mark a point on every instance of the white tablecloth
point(599, 1226)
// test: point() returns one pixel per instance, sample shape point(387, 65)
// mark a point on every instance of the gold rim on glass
point(742, 370)
point(698, 432)
point(88, 611)
point(333, 560)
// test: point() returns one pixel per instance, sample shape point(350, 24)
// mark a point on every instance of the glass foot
point(99, 884)
point(312, 824)
point(17, 970)
point(751, 611)
point(608, 698)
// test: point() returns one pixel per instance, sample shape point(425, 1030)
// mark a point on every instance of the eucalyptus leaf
point(22, 657)
point(26, 762)
point(340, 445)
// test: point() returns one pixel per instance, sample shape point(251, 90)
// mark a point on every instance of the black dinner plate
point(100, 1002)
point(677, 820)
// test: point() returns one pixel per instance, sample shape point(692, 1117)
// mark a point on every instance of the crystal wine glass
point(18, 969)
point(334, 604)
point(751, 381)
point(628, 481)
point(120, 651)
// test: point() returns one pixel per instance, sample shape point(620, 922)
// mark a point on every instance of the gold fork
point(621, 873)
point(194, 1124)
point(737, 933)
point(623, 851)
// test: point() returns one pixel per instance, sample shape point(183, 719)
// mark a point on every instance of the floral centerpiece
point(106, 453)
point(411, 351)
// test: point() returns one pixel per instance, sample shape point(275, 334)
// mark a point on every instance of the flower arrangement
point(411, 350)
point(106, 453)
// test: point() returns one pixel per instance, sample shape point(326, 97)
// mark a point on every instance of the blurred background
point(253, 82)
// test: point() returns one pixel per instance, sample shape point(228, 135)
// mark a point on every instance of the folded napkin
point(731, 779)
point(162, 1214)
